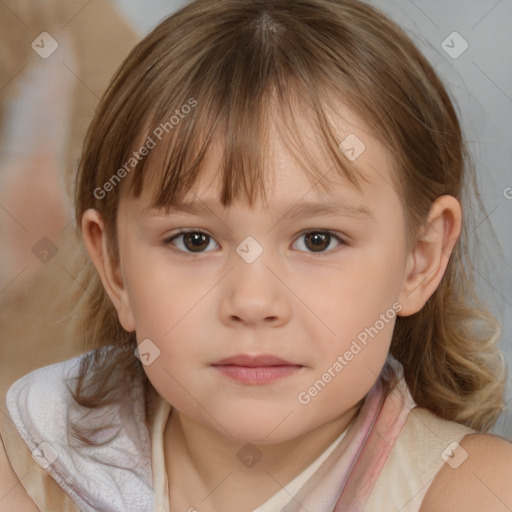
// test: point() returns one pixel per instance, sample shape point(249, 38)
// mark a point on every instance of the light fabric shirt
point(114, 477)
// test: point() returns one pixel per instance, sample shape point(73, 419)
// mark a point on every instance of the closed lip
point(254, 360)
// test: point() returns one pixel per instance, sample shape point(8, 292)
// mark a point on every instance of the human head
point(221, 71)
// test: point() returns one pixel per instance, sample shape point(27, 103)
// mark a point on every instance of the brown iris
point(197, 241)
point(319, 241)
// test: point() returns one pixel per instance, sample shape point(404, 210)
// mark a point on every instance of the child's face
point(202, 299)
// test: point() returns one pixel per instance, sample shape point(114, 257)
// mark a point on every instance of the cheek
point(170, 310)
point(349, 363)
point(360, 312)
point(160, 294)
point(354, 296)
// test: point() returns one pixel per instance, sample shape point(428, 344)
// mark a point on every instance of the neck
point(207, 470)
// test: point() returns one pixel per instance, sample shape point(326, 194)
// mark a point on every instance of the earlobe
point(427, 262)
point(95, 240)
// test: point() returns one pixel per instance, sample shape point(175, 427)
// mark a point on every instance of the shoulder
point(42, 407)
point(40, 399)
point(414, 461)
point(45, 393)
point(112, 470)
point(478, 476)
point(30, 401)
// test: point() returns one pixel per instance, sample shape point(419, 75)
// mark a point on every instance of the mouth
point(260, 369)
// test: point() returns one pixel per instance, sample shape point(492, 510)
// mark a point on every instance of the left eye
point(197, 241)
point(320, 240)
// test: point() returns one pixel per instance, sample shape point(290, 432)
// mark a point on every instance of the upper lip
point(257, 360)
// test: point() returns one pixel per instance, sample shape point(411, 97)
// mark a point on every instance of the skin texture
point(292, 301)
point(482, 482)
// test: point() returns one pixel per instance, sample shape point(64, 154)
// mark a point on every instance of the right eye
point(190, 241)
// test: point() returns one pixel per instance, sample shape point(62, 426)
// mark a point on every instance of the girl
point(281, 316)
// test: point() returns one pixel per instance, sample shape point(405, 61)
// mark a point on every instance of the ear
point(95, 239)
point(427, 262)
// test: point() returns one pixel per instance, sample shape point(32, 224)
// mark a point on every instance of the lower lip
point(257, 374)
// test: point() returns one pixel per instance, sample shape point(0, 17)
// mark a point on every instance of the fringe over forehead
point(228, 70)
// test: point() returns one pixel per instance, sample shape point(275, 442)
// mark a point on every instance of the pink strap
point(345, 479)
point(385, 420)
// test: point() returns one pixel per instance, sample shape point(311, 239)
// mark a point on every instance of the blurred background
point(56, 59)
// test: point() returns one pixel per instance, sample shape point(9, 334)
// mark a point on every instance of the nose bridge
point(254, 292)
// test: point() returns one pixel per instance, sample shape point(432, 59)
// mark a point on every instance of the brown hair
point(234, 62)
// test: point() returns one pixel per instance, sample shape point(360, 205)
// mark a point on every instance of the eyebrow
point(302, 209)
point(312, 209)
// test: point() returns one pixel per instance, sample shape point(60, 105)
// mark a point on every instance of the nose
point(255, 295)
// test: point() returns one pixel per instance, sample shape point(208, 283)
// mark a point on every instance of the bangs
point(244, 77)
point(241, 75)
point(241, 91)
point(181, 141)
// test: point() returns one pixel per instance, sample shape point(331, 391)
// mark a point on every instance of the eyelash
point(169, 240)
